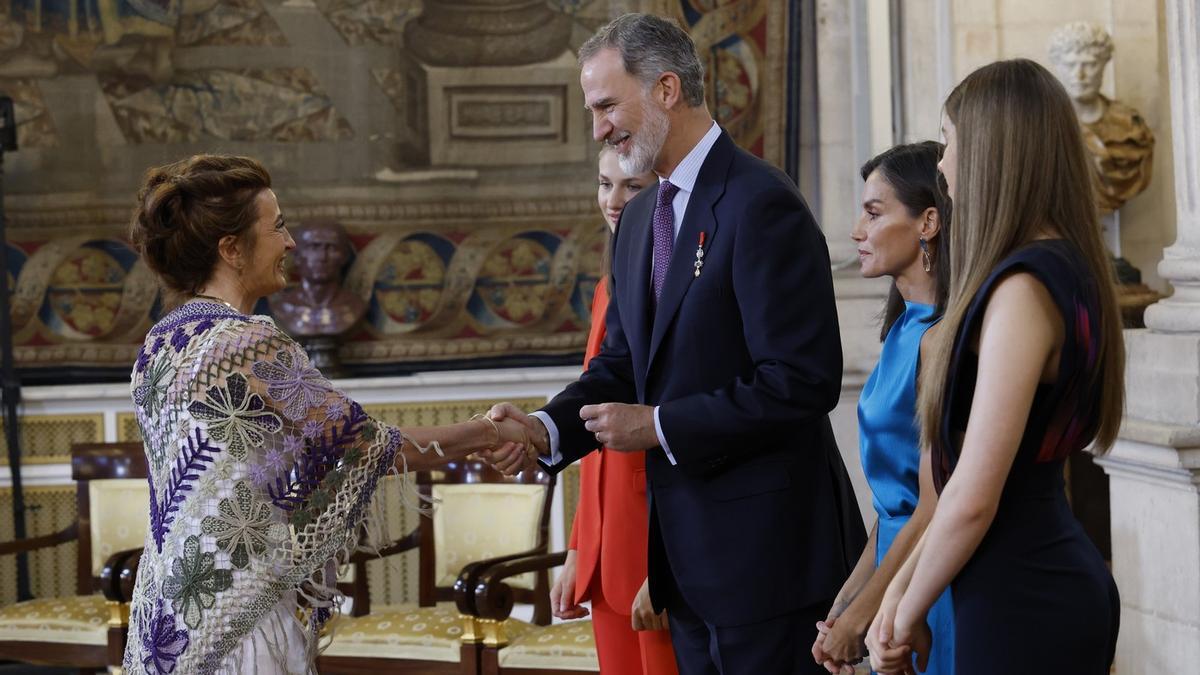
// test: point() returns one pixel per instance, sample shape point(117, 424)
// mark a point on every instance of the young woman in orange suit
point(606, 557)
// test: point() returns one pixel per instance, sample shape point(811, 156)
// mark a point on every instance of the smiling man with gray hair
point(722, 357)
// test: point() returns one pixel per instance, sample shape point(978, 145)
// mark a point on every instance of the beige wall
point(982, 31)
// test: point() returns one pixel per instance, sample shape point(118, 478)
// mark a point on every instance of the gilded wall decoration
point(35, 129)
point(441, 289)
point(279, 104)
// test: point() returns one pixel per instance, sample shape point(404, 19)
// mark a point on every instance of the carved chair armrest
point(481, 592)
point(69, 533)
point(119, 575)
point(468, 577)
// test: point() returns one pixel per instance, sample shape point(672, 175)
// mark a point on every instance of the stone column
point(1154, 468)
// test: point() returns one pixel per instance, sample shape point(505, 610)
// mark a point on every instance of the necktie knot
point(666, 192)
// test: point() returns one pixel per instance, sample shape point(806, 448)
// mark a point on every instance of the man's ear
point(669, 90)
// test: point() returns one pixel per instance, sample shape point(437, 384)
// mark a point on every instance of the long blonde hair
point(1021, 169)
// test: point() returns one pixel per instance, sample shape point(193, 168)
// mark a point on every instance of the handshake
point(622, 427)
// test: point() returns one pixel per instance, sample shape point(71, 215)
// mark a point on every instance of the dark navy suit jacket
point(758, 517)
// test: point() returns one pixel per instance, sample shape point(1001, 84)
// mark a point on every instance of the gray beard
point(647, 143)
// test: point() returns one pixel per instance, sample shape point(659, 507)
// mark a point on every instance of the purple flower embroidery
point(277, 459)
point(259, 475)
point(202, 326)
point(292, 445)
point(334, 411)
point(297, 384)
point(162, 644)
point(313, 429)
point(179, 339)
point(142, 358)
point(235, 416)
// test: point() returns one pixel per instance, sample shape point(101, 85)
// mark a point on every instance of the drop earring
point(925, 257)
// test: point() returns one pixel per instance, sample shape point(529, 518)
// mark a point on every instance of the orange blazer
point(611, 520)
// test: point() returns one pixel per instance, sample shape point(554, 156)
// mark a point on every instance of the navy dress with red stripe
point(1036, 596)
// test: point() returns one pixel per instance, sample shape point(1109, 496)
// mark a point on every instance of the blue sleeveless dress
point(888, 442)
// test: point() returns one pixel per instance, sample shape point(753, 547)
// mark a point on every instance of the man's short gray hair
point(1080, 36)
point(650, 46)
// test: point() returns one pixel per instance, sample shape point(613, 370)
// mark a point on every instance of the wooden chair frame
point(428, 593)
point(482, 595)
point(89, 461)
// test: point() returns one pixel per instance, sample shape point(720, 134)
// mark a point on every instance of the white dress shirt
point(683, 177)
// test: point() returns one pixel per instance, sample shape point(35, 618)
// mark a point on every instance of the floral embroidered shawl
point(261, 473)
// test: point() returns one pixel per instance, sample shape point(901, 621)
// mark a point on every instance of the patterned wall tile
point(47, 439)
point(51, 570)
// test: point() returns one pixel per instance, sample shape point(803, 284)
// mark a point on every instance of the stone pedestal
point(493, 115)
point(1154, 492)
point(1154, 468)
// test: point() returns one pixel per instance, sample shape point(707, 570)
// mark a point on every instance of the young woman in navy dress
point(1027, 369)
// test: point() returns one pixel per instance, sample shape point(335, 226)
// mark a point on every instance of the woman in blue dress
point(1027, 369)
point(901, 234)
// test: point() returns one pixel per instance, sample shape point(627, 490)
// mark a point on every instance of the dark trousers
point(778, 646)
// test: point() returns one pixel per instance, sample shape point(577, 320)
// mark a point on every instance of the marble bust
point(319, 306)
point(1118, 139)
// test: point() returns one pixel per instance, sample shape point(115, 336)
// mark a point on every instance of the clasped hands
point(891, 639)
point(622, 427)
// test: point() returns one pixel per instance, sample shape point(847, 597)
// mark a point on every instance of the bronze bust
point(319, 306)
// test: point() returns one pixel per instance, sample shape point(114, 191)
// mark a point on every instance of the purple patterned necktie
point(664, 234)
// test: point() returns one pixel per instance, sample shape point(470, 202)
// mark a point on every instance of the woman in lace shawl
point(261, 472)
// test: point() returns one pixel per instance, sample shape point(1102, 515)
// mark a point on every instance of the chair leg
point(468, 658)
point(489, 661)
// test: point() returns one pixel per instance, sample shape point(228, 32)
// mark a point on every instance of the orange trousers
point(624, 651)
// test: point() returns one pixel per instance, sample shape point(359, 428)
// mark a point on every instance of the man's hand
point(642, 612)
point(621, 426)
point(562, 594)
point(511, 458)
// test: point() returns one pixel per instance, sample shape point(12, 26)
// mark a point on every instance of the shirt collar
point(685, 174)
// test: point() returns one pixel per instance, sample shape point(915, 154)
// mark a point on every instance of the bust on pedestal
point(318, 310)
point(1117, 138)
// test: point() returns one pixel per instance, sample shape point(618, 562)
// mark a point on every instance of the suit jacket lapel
point(636, 294)
point(710, 186)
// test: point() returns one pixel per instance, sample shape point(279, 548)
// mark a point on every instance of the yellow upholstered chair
point(87, 630)
point(486, 601)
point(478, 514)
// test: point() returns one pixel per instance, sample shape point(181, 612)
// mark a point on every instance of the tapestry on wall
point(451, 145)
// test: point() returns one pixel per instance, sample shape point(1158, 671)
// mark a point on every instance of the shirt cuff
point(551, 431)
point(662, 440)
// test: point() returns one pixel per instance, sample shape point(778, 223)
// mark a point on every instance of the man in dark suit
point(722, 355)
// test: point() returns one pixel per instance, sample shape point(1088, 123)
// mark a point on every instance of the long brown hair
point(1021, 169)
